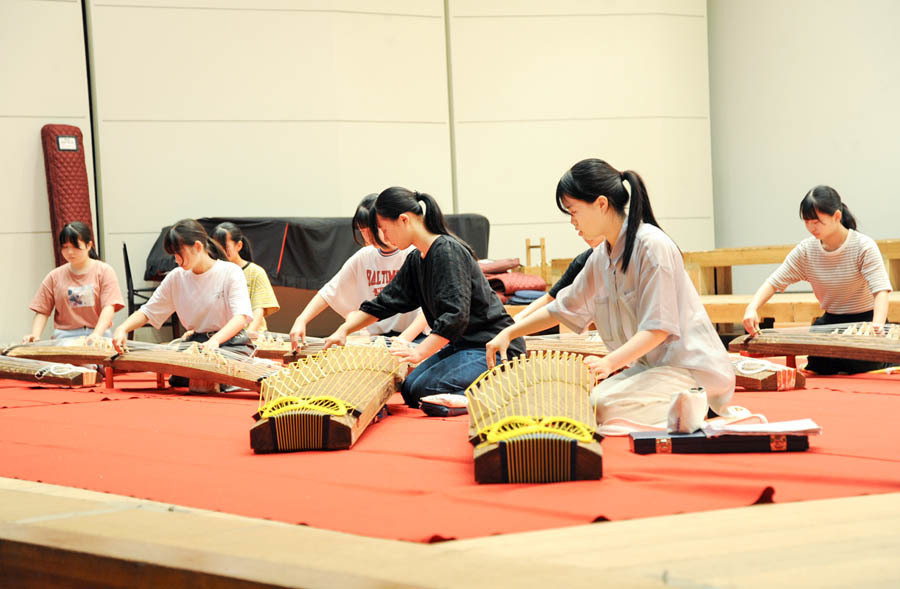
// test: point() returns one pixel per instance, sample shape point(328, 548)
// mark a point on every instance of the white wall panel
point(43, 80)
point(538, 87)
point(32, 257)
point(266, 108)
point(259, 65)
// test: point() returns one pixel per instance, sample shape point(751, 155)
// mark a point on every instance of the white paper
point(798, 427)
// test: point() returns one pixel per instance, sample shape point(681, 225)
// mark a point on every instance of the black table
point(305, 252)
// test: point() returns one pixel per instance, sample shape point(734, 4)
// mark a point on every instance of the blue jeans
point(449, 370)
point(79, 332)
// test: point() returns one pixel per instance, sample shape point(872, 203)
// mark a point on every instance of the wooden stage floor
point(60, 536)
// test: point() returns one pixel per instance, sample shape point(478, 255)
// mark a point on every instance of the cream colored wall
point(538, 86)
point(43, 80)
point(264, 108)
point(803, 93)
point(299, 108)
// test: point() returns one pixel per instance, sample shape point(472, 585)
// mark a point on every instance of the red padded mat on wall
point(67, 182)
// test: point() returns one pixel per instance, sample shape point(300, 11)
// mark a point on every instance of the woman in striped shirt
point(844, 268)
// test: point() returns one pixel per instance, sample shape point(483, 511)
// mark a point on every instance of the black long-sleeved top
point(571, 272)
point(453, 293)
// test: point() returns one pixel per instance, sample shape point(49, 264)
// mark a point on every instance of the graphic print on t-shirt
point(378, 279)
point(81, 296)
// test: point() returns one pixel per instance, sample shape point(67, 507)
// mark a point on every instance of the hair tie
point(627, 186)
point(422, 206)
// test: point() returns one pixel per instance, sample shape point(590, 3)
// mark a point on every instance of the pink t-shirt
point(78, 298)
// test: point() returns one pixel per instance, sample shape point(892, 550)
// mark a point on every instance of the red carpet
point(410, 477)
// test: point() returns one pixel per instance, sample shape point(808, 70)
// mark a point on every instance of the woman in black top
point(442, 278)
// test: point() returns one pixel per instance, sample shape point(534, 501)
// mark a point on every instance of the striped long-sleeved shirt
point(844, 280)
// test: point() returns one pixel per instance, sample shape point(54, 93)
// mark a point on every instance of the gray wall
point(802, 92)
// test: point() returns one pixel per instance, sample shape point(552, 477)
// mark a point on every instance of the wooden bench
point(710, 270)
point(788, 307)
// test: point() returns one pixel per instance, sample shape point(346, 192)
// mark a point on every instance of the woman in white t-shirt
point(361, 278)
point(844, 268)
point(635, 289)
point(208, 293)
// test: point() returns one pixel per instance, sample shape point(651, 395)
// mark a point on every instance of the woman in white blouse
point(635, 289)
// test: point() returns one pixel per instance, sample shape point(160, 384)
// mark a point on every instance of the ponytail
point(592, 178)
point(847, 218)
point(395, 201)
point(639, 212)
point(826, 200)
point(230, 230)
point(188, 232)
point(72, 232)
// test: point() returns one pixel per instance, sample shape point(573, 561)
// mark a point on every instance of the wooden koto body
point(41, 372)
point(69, 351)
point(847, 343)
point(324, 401)
point(761, 375)
point(530, 421)
point(193, 362)
point(585, 344)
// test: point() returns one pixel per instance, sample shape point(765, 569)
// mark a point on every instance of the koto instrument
point(324, 401)
point(855, 341)
point(194, 362)
point(42, 372)
point(756, 374)
point(76, 350)
point(586, 344)
point(531, 421)
point(277, 346)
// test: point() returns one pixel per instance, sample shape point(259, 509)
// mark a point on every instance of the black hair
point(825, 199)
point(361, 217)
point(74, 231)
point(395, 201)
point(228, 229)
point(187, 232)
point(591, 178)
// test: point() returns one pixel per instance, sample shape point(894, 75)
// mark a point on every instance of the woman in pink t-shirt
point(84, 293)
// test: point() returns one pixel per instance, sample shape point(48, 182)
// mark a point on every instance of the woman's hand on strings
point(405, 353)
point(598, 366)
point(338, 338)
point(28, 339)
point(751, 321)
point(298, 334)
point(118, 340)
point(210, 345)
point(500, 344)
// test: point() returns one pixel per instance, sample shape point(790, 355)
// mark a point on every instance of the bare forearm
point(356, 321)
point(135, 320)
point(536, 304)
point(230, 329)
point(104, 322)
point(313, 308)
point(537, 321)
point(882, 304)
point(258, 315)
point(637, 346)
point(762, 296)
point(415, 328)
point(430, 345)
point(38, 325)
